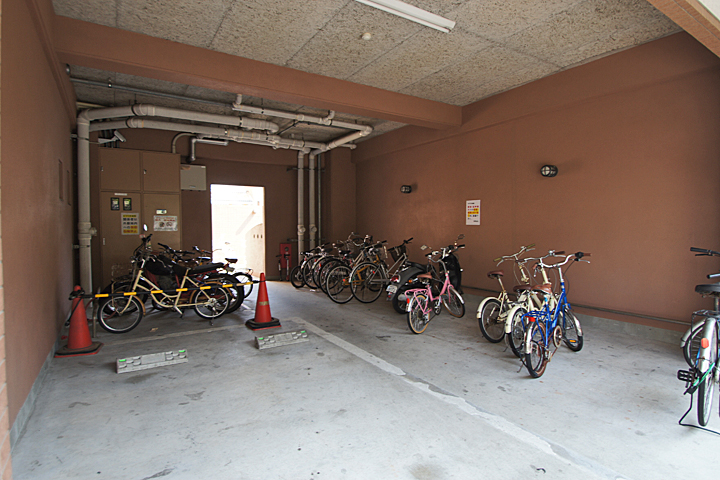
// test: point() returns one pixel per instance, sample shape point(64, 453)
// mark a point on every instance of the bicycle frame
point(549, 324)
point(141, 282)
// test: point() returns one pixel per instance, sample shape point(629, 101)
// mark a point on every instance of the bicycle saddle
point(425, 275)
point(708, 289)
point(545, 288)
point(521, 288)
point(496, 274)
point(205, 268)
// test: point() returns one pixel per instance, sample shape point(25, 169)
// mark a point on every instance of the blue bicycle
point(553, 324)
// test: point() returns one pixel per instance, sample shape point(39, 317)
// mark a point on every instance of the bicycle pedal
point(685, 375)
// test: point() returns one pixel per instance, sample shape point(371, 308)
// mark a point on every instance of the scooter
point(407, 278)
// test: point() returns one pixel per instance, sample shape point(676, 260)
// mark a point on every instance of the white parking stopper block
point(153, 360)
point(280, 339)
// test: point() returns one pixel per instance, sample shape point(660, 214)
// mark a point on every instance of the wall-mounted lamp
point(406, 189)
point(548, 170)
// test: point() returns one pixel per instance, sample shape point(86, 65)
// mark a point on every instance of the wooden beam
point(694, 18)
point(106, 48)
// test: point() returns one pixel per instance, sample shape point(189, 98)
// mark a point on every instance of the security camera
point(119, 136)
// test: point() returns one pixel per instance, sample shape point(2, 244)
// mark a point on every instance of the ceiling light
point(409, 12)
point(366, 36)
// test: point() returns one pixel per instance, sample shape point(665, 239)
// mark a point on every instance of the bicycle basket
point(397, 252)
point(157, 266)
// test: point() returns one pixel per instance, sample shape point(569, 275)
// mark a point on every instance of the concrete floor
point(364, 398)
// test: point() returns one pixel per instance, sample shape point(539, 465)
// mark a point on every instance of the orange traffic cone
point(262, 319)
point(79, 341)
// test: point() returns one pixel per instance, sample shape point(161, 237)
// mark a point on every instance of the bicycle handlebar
point(714, 275)
point(704, 252)
point(514, 256)
point(577, 256)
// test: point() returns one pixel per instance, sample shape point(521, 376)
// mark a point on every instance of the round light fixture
point(366, 36)
point(548, 170)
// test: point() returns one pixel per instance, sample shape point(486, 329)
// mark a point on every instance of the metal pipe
point(300, 117)
point(209, 141)
point(85, 228)
point(319, 200)
point(301, 204)
point(311, 197)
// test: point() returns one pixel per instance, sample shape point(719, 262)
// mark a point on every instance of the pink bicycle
point(422, 303)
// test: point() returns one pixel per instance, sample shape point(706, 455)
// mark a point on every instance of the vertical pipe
point(319, 199)
point(311, 197)
point(85, 229)
point(301, 204)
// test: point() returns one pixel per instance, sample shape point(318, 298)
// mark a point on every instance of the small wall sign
point(114, 203)
point(130, 224)
point(165, 223)
point(127, 204)
point(472, 212)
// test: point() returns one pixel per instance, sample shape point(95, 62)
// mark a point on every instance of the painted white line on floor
point(525, 436)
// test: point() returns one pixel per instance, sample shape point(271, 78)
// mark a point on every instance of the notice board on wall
point(472, 212)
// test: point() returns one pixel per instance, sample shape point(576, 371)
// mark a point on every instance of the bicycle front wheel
point(572, 333)
point(210, 303)
point(296, 277)
point(119, 314)
point(706, 387)
point(492, 320)
point(366, 281)
point(418, 313)
point(535, 351)
point(516, 335)
point(337, 284)
point(454, 303)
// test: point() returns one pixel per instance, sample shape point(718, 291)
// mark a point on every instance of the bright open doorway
point(238, 225)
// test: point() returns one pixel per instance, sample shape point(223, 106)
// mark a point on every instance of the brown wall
point(635, 137)
point(37, 226)
point(243, 164)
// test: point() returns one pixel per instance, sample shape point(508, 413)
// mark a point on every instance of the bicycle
point(235, 286)
point(700, 348)
point(337, 279)
point(492, 313)
point(528, 300)
point(120, 315)
point(551, 325)
point(422, 303)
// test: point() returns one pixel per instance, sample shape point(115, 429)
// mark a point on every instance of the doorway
point(238, 225)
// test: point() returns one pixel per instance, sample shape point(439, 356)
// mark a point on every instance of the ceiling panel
point(496, 45)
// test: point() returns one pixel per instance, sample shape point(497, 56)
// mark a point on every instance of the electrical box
point(192, 177)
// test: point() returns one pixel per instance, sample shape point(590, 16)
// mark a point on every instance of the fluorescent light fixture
point(409, 12)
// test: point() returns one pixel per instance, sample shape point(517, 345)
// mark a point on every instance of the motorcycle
point(407, 278)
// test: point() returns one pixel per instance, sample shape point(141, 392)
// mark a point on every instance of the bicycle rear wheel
point(247, 279)
point(454, 303)
point(210, 303)
point(418, 313)
point(367, 280)
point(572, 333)
point(535, 351)
point(491, 320)
point(692, 344)
point(706, 387)
point(337, 284)
point(119, 314)
point(236, 293)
